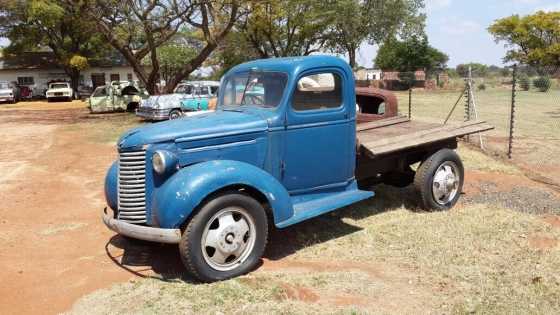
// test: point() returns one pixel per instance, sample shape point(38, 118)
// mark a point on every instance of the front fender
point(175, 200)
point(111, 186)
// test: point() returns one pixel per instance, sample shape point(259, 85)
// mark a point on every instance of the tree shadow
point(162, 261)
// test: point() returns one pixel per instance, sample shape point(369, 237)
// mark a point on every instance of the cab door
point(319, 144)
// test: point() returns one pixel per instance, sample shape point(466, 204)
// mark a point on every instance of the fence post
point(468, 100)
point(512, 113)
point(409, 103)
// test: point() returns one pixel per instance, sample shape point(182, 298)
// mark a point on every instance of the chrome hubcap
point(445, 185)
point(228, 238)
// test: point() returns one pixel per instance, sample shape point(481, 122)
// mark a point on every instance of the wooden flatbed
point(399, 133)
point(388, 144)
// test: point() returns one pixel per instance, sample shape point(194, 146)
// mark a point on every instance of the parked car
point(59, 91)
point(25, 92)
point(212, 183)
point(117, 96)
point(8, 92)
point(187, 97)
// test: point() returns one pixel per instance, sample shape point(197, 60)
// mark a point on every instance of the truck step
point(312, 205)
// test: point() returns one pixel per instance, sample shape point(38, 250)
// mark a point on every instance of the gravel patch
point(523, 199)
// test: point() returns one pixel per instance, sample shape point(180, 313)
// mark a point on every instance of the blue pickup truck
point(296, 141)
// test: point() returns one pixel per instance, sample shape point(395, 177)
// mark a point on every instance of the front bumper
point(152, 114)
point(7, 98)
point(146, 233)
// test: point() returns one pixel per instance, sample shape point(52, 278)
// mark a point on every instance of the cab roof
point(293, 65)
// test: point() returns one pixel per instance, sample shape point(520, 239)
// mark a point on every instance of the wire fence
point(521, 102)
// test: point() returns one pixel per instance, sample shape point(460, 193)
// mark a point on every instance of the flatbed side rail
point(423, 137)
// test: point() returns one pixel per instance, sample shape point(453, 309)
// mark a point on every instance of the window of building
point(129, 76)
point(115, 77)
point(25, 81)
point(318, 91)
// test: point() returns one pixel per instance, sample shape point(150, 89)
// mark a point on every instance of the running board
point(312, 205)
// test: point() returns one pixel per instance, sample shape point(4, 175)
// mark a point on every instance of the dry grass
point(536, 145)
point(379, 256)
point(44, 105)
point(106, 128)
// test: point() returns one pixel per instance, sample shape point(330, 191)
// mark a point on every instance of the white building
point(37, 69)
point(368, 74)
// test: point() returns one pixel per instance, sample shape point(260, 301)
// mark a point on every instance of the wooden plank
point(428, 138)
point(416, 134)
point(382, 123)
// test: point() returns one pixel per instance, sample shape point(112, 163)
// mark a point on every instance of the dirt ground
point(54, 249)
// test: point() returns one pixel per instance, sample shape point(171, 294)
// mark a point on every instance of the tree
point(410, 55)
point(355, 21)
point(477, 69)
point(233, 50)
point(533, 39)
point(37, 24)
point(285, 28)
point(138, 28)
point(173, 55)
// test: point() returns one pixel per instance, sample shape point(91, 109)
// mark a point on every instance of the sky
point(458, 28)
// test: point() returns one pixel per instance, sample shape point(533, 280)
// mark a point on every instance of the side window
point(318, 91)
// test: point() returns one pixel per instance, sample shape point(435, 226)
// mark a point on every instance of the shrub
point(482, 87)
point(524, 82)
point(542, 83)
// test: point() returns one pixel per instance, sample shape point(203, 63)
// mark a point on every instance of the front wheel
point(225, 239)
point(439, 180)
point(175, 114)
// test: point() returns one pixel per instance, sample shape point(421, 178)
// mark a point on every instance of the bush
point(524, 82)
point(482, 87)
point(542, 83)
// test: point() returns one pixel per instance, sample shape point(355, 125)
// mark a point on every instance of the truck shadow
point(162, 261)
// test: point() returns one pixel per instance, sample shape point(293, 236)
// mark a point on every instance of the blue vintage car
point(282, 147)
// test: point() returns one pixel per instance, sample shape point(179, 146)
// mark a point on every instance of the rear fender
point(176, 199)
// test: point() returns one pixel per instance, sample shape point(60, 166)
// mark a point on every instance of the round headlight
point(158, 162)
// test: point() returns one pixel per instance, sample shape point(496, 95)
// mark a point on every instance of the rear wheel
point(175, 114)
point(439, 180)
point(225, 239)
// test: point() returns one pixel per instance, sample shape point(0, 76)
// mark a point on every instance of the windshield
point(184, 89)
point(263, 89)
point(59, 86)
point(99, 91)
point(4, 85)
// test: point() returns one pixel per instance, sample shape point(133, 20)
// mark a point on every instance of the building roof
point(47, 60)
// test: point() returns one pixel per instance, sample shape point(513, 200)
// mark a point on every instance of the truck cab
point(280, 148)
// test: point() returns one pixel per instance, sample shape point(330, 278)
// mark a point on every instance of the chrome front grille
point(132, 186)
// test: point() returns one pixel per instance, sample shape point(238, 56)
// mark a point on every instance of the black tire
point(175, 114)
point(424, 179)
point(131, 107)
point(399, 178)
point(190, 246)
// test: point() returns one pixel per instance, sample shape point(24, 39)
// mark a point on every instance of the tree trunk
point(74, 81)
point(352, 58)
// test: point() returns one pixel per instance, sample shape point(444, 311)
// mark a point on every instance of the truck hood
point(213, 124)
point(164, 101)
point(6, 91)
